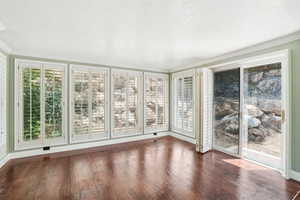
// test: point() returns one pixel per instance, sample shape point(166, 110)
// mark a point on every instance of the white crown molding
point(240, 52)
point(60, 59)
point(5, 48)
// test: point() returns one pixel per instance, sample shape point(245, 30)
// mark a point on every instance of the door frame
point(282, 56)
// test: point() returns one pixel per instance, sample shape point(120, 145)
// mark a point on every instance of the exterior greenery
point(32, 103)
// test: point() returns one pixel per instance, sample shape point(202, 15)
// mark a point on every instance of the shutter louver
point(156, 105)
point(89, 95)
point(126, 98)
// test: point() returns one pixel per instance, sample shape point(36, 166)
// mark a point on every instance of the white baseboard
point(294, 175)
point(183, 137)
point(70, 147)
point(4, 160)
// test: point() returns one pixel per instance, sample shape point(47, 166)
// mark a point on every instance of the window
point(40, 97)
point(183, 103)
point(126, 103)
point(2, 105)
point(156, 106)
point(89, 103)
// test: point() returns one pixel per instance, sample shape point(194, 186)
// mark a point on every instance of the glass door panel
point(262, 114)
point(227, 110)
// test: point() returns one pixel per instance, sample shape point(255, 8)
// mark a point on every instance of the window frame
point(3, 96)
point(165, 77)
point(140, 128)
point(90, 136)
point(20, 144)
point(175, 77)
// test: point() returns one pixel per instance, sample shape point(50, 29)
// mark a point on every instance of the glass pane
point(31, 104)
point(226, 109)
point(119, 104)
point(150, 110)
point(53, 103)
point(132, 92)
point(98, 101)
point(80, 98)
point(262, 108)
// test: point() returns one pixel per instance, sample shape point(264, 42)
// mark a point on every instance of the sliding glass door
point(249, 111)
point(227, 110)
point(262, 114)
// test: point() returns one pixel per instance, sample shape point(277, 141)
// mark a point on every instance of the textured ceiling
point(152, 34)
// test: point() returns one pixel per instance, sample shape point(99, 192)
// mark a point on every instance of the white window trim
point(175, 76)
point(166, 89)
point(91, 136)
point(19, 143)
point(140, 128)
point(3, 133)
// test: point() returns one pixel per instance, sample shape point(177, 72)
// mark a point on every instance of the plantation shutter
point(40, 99)
point(126, 103)
point(89, 98)
point(184, 103)
point(31, 104)
point(188, 104)
point(199, 109)
point(53, 86)
point(156, 106)
point(2, 105)
point(207, 92)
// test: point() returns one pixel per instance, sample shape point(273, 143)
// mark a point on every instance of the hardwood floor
point(166, 168)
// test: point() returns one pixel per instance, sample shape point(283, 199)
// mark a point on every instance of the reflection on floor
point(166, 168)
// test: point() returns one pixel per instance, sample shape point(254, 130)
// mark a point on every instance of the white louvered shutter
point(40, 95)
point(126, 103)
point(207, 106)
point(188, 103)
point(89, 100)
point(198, 109)
point(3, 65)
point(156, 106)
point(183, 92)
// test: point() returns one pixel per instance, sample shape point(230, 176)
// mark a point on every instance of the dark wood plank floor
point(163, 169)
